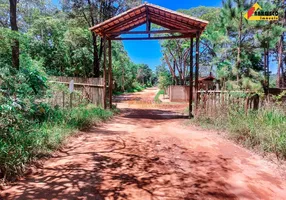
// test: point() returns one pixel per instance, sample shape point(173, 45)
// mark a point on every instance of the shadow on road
point(154, 114)
point(132, 170)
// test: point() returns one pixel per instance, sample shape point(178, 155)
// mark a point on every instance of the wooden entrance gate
point(176, 25)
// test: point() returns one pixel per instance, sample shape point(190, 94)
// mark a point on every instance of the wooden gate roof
point(149, 13)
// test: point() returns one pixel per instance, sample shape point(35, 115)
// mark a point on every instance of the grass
point(42, 139)
point(263, 129)
point(118, 92)
point(156, 98)
point(135, 87)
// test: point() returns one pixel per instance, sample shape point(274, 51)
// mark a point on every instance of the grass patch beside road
point(264, 129)
point(25, 145)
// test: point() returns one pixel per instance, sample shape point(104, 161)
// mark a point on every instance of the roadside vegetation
point(30, 140)
point(263, 129)
point(29, 126)
point(157, 97)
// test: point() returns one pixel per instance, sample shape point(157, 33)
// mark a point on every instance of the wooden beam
point(110, 74)
point(104, 73)
point(149, 26)
point(152, 32)
point(197, 69)
point(148, 22)
point(155, 38)
point(191, 79)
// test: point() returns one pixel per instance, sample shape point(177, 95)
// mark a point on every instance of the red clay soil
point(150, 154)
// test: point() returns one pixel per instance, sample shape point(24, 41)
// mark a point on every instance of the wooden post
point(148, 22)
point(191, 79)
point(63, 99)
point(174, 68)
point(104, 73)
point(246, 104)
point(71, 97)
point(197, 68)
point(110, 74)
point(267, 72)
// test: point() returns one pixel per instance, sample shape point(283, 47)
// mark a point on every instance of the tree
point(281, 8)
point(161, 69)
point(123, 69)
point(92, 12)
point(164, 80)
point(48, 43)
point(176, 53)
point(164, 77)
point(237, 27)
point(14, 27)
point(4, 13)
point(144, 74)
point(230, 38)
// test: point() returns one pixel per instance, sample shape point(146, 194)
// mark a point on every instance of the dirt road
point(147, 152)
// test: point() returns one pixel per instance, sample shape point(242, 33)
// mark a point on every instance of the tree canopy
point(236, 50)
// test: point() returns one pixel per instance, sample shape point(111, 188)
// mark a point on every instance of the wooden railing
point(211, 102)
point(86, 90)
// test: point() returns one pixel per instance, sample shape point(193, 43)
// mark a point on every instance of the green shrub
point(156, 98)
point(30, 127)
point(21, 96)
point(164, 80)
point(24, 145)
point(136, 87)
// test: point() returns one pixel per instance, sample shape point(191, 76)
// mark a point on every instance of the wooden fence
point(86, 90)
point(214, 102)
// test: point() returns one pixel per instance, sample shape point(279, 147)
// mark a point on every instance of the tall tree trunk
point(96, 66)
point(280, 62)
point(14, 27)
point(283, 76)
point(95, 57)
point(239, 48)
point(123, 80)
point(283, 71)
point(172, 69)
point(265, 70)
